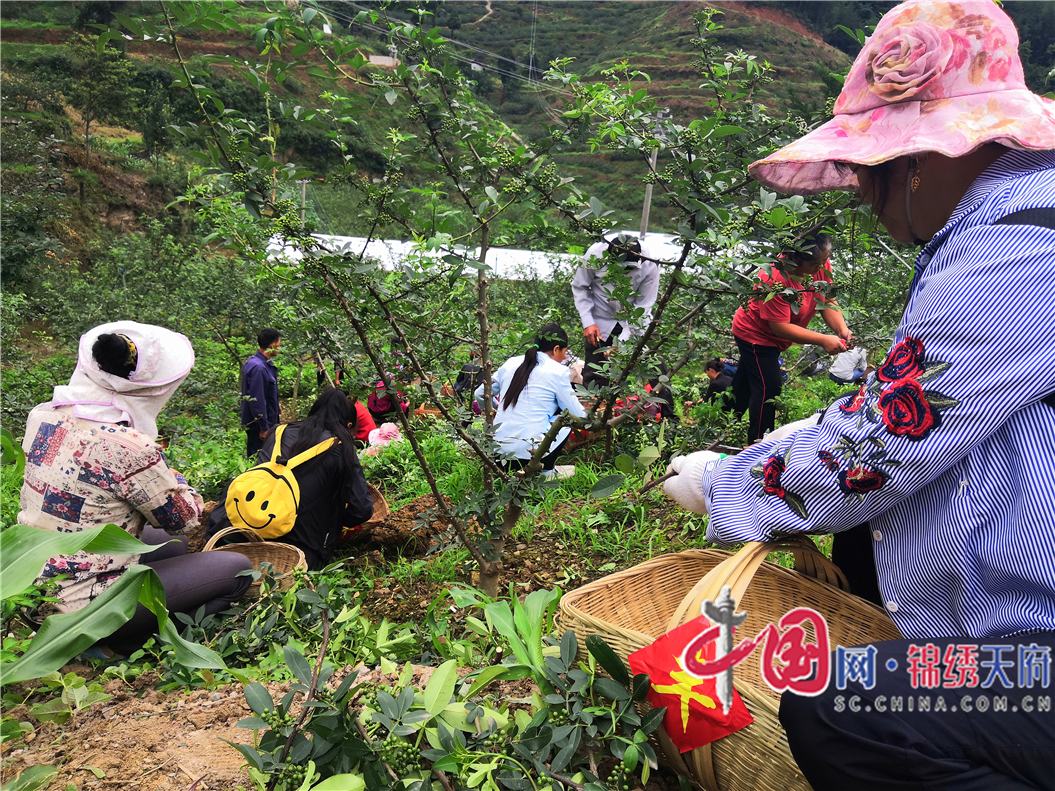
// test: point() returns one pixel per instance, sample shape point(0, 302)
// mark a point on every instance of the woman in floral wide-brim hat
point(944, 461)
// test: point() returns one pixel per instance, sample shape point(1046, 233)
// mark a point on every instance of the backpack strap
point(1041, 217)
point(276, 454)
point(311, 453)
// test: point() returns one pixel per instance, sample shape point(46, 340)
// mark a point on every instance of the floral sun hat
point(935, 76)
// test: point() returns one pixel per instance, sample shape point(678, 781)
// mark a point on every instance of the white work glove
point(686, 488)
point(790, 428)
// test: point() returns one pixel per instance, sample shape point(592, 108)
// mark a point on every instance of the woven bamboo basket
point(381, 510)
point(282, 557)
point(632, 608)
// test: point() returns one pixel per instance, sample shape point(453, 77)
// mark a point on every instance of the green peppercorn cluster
point(291, 776)
point(515, 187)
point(619, 779)
point(242, 180)
point(400, 755)
point(275, 720)
point(547, 179)
point(558, 717)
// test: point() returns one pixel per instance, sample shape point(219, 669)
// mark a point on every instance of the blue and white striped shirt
point(946, 451)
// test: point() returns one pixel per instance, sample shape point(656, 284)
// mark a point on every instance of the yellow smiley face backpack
point(265, 498)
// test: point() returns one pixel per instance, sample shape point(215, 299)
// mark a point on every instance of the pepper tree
point(458, 181)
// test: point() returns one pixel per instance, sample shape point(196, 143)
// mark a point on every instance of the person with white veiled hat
point(92, 459)
point(947, 451)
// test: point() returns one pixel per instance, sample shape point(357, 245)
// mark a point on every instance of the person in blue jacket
point(260, 391)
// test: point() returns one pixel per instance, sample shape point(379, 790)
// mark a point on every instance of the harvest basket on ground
point(381, 512)
point(282, 557)
point(632, 608)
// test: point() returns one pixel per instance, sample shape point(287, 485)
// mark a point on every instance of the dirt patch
point(155, 742)
point(774, 15)
point(409, 532)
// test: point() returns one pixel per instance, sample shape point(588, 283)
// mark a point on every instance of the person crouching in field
point(92, 459)
point(333, 489)
point(534, 389)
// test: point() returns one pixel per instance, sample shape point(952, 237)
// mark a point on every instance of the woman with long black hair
point(333, 491)
point(534, 388)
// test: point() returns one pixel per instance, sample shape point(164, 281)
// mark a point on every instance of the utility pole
point(662, 115)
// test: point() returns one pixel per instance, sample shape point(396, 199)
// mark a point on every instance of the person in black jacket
point(469, 377)
point(720, 381)
point(333, 491)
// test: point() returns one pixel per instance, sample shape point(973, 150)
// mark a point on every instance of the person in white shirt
point(849, 366)
point(534, 389)
point(603, 317)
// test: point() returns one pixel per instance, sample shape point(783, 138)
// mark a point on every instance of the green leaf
point(640, 686)
point(569, 646)
point(492, 193)
point(391, 97)
point(607, 659)
point(61, 637)
point(485, 677)
point(725, 131)
point(440, 688)
point(308, 15)
point(596, 206)
point(647, 456)
point(606, 486)
point(11, 452)
point(345, 782)
point(31, 779)
point(258, 698)
point(653, 719)
point(939, 401)
point(499, 614)
point(624, 463)
point(298, 664)
point(610, 689)
point(24, 550)
point(630, 757)
point(796, 504)
point(446, 764)
point(190, 654)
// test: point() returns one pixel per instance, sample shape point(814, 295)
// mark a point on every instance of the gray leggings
point(203, 578)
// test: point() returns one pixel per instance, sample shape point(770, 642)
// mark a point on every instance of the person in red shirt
point(364, 424)
point(764, 329)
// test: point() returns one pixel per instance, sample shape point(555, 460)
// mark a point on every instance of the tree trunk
point(492, 570)
point(87, 141)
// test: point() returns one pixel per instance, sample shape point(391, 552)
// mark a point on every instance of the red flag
point(694, 714)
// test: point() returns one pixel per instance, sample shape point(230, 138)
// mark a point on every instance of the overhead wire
point(539, 86)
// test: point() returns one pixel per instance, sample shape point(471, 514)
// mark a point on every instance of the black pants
point(978, 739)
point(757, 382)
point(852, 552)
point(190, 581)
point(253, 442)
point(595, 359)
point(549, 461)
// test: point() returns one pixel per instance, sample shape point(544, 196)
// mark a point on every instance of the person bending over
point(764, 329)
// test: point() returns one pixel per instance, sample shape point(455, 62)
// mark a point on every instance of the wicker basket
point(632, 608)
point(282, 557)
point(381, 511)
point(357, 534)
